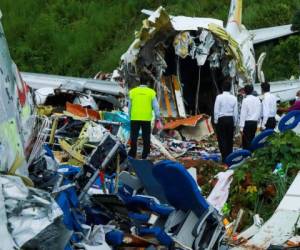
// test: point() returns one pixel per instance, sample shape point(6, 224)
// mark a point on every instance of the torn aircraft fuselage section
point(187, 59)
point(16, 120)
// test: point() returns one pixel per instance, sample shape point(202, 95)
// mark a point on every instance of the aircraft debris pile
point(66, 180)
point(82, 167)
point(102, 199)
point(84, 191)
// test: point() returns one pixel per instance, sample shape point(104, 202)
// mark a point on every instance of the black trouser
point(134, 133)
point(225, 130)
point(271, 123)
point(248, 133)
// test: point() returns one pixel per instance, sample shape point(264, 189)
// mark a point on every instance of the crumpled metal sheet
point(191, 121)
point(201, 51)
point(95, 238)
point(144, 51)
point(181, 44)
point(185, 45)
point(42, 94)
point(80, 111)
point(171, 101)
point(13, 148)
point(7, 241)
point(181, 23)
point(86, 101)
point(158, 21)
point(28, 210)
point(201, 130)
point(232, 49)
point(214, 60)
point(232, 68)
point(16, 107)
point(55, 236)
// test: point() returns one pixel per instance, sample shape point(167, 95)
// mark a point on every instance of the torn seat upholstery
point(201, 225)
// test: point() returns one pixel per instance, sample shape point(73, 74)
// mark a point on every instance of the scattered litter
point(219, 194)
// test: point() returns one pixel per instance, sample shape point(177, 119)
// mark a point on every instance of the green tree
point(296, 21)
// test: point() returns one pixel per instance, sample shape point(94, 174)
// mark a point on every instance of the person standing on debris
point(249, 117)
point(225, 118)
point(296, 105)
point(269, 107)
point(142, 102)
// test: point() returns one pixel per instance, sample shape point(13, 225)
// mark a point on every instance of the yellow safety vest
point(141, 103)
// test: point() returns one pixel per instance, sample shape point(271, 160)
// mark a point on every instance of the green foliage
point(282, 60)
point(270, 13)
point(79, 38)
point(255, 187)
point(296, 21)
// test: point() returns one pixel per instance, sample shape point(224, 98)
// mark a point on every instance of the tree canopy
point(82, 37)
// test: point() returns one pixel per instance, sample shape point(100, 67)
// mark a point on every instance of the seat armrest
point(151, 204)
point(163, 210)
point(139, 217)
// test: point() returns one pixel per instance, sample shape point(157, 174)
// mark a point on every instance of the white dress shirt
point(269, 107)
point(226, 105)
point(251, 110)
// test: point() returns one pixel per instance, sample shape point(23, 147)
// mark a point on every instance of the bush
point(255, 187)
point(296, 21)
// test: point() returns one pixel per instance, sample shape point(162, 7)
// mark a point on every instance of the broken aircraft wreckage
point(188, 58)
point(61, 173)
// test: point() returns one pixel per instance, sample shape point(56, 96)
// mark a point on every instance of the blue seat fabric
point(179, 187)
point(143, 170)
point(237, 156)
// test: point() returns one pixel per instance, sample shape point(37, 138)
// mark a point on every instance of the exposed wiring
point(42, 124)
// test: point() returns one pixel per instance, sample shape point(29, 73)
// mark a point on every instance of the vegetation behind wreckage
point(79, 38)
point(255, 187)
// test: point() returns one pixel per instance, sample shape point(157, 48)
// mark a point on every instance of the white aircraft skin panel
point(238, 31)
point(267, 34)
point(37, 81)
point(283, 90)
point(6, 99)
point(249, 57)
point(181, 23)
point(235, 12)
point(234, 17)
point(16, 109)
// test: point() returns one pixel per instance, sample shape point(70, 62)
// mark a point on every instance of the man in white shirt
point(269, 107)
point(225, 118)
point(249, 117)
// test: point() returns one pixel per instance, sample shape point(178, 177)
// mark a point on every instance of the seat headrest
point(179, 187)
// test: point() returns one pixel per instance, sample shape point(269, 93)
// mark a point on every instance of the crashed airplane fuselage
point(188, 58)
point(16, 120)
